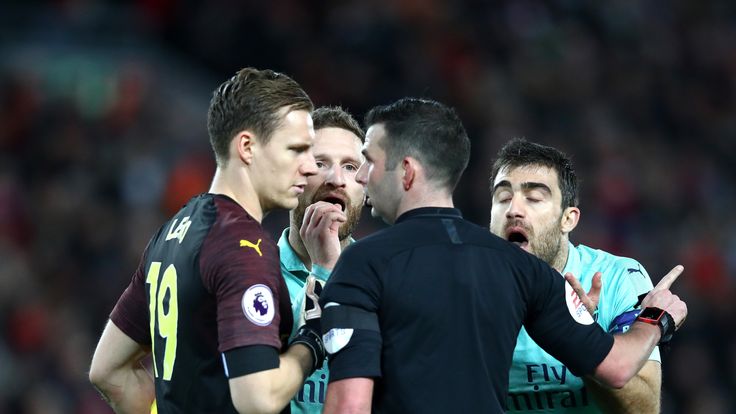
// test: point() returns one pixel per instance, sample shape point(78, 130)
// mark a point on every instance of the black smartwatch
point(659, 317)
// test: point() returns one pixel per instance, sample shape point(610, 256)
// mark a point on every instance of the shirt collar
point(430, 212)
point(573, 261)
point(289, 259)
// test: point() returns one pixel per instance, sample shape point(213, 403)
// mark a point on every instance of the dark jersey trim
point(361, 357)
point(343, 316)
point(249, 359)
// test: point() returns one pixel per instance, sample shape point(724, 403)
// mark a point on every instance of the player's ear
point(409, 165)
point(244, 142)
point(569, 220)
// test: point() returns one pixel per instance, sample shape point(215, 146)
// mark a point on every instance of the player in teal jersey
point(534, 205)
point(322, 225)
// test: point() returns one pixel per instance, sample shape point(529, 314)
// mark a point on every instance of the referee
point(423, 316)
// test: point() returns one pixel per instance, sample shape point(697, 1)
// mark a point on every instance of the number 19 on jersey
point(163, 309)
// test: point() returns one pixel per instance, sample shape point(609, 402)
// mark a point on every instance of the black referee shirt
point(431, 308)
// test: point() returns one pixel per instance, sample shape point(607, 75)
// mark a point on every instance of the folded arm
point(642, 394)
point(119, 375)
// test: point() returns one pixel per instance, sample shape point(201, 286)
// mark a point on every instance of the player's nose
point(335, 176)
point(309, 165)
point(361, 177)
point(516, 208)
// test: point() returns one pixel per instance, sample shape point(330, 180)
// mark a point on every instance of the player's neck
point(560, 260)
point(234, 183)
point(419, 199)
point(345, 242)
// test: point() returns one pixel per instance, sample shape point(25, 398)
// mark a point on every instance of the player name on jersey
point(313, 392)
point(544, 390)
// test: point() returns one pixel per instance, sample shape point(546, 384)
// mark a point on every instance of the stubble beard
point(353, 216)
point(547, 245)
point(352, 212)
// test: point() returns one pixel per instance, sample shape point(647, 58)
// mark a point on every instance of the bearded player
point(322, 224)
point(535, 205)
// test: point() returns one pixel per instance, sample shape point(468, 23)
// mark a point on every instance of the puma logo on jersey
point(180, 231)
point(256, 247)
point(638, 270)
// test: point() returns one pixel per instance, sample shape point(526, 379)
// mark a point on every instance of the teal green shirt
point(311, 397)
point(541, 384)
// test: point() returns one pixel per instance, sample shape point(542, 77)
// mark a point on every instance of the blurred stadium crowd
point(102, 135)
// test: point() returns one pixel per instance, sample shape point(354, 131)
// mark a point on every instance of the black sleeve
point(249, 359)
point(350, 326)
point(360, 358)
point(559, 322)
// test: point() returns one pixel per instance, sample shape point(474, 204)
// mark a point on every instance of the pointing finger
point(669, 278)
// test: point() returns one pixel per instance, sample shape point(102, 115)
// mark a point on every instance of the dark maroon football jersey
point(209, 282)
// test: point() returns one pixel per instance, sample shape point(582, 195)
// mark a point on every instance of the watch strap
point(660, 318)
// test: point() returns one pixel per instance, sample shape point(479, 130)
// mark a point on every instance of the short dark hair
point(251, 100)
point(336, 117)
point(520, 153)
point(428, 131)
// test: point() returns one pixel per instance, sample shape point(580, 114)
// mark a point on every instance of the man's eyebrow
point(503, 183)
point(536, 186)
point(352, 159)
point(524, 186)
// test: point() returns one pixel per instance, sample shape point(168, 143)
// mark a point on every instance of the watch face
point(651, 313)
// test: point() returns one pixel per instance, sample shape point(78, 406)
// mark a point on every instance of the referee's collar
point(429, 212)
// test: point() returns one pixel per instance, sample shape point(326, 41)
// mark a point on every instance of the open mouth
point(335, 200)
point(517, 237)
